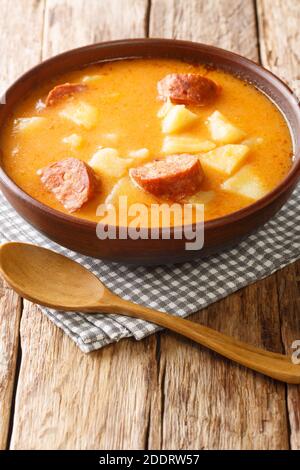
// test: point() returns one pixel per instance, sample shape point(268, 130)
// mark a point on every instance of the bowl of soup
point(148, 151)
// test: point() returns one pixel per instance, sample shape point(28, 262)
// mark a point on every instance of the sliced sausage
point(173, 178)
point(61, 91)
point(71, 181)
point(188, 88)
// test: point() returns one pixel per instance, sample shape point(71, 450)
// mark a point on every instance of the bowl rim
point(289, 181)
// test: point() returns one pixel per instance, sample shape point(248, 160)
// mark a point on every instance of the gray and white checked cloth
point(179, 289)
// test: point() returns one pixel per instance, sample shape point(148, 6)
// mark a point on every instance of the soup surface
point(116, 123)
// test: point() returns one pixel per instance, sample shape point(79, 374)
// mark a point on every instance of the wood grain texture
point(69, 400)
point(14, 19)
point(69, 24)
point(223, 23)
point(210, 403)
point(278, 22)
point(289, 300)
point(10, 312)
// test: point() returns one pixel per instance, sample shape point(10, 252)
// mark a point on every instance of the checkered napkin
point(180, 289)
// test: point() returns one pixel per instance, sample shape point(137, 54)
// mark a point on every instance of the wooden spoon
point(50, 279)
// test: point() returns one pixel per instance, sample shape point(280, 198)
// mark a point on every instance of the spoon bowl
point(50, 279)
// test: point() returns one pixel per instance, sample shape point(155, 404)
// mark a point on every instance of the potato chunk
point(75, 141)
point(125, 187)
point(186, 144)
point(177, 118)
point(226, 159)
point(245, 183)
point(164, 109)
point(140, 154)
point(81, 113)
point(222, 130)
point(106, 161)
point(28, 124)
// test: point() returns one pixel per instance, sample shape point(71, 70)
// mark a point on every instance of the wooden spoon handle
point(277, 366)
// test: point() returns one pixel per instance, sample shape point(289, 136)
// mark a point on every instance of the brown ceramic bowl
point(80, 235)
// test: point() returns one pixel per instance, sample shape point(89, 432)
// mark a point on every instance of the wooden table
point(163, 392)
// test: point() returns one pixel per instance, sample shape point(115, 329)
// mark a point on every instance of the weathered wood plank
point(279, 41)
point(230, 25)
point(66, 399)
point(208, 402)
point(289, 301)
point(70, 24)
point(70, 400)
point(10, 312)
point(278, 22)
point(14, 20)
